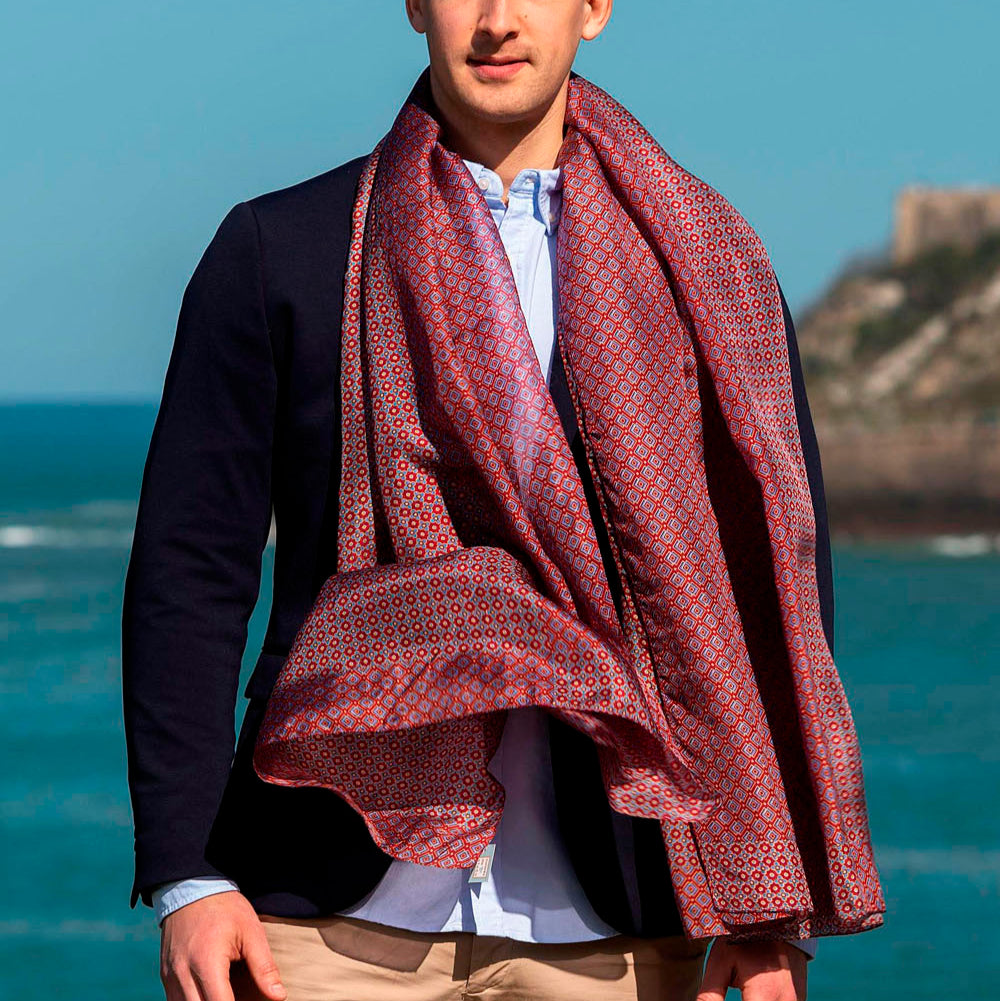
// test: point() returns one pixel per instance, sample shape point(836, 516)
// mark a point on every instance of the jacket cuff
point(158, 863)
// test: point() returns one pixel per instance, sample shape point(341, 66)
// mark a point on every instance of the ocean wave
point(63, 537)
point(73, 528)
point(24, 589)
point(46, 806)
point(965, 861)
point(106, 510)
point(78, 928)
point(961, 546)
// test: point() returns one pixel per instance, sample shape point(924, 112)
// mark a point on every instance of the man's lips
point(496, 69)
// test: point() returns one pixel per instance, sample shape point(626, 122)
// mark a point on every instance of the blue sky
point(130, 128)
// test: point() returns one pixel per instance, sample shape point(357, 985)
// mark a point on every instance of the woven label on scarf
point(481, 870)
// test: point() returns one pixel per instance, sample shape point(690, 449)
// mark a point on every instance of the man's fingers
point(261, 965)
point(181, 986)
point(771, 969)
point(212, 982)
point(717, 978)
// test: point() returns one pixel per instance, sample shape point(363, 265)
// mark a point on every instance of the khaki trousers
point(342, 958)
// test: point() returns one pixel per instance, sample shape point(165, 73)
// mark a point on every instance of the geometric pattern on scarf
point(469, 577)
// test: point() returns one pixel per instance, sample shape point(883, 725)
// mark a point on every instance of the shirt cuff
point(167, 897)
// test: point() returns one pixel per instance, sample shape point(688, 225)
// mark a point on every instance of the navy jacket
point(249, 418)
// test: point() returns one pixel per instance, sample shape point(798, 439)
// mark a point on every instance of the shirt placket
point(514, 231)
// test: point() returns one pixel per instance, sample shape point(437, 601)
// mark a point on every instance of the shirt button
point(483, 182)
point(552, 217)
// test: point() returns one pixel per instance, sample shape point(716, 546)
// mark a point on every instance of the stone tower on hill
point(930, 217)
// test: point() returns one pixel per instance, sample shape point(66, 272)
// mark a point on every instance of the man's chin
point(495, 103)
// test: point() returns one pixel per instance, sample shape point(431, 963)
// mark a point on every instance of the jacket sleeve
point(193, 575)
point(814, 471)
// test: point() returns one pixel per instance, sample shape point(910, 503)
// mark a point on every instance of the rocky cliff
point(902, 364)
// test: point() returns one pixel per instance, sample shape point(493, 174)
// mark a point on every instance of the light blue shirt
point(531, 892)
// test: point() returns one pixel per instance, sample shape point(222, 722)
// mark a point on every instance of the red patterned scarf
point(469, 576)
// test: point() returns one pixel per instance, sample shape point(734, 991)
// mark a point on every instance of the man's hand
point(200, 940)
point(774, 970)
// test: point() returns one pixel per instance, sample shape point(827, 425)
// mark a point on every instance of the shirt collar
point(545, 183)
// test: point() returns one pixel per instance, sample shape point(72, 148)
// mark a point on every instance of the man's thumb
point(262, 966)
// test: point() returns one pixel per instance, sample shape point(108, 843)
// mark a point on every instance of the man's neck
point(504, 147)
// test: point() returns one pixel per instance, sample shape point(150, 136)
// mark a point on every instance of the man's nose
point(498, 18)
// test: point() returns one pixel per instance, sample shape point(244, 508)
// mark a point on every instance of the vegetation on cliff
point(918, 341)
point(902, 365)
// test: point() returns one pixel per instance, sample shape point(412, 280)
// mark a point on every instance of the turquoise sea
point(918, 635)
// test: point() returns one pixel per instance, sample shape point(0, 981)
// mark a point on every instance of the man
point(299, 885)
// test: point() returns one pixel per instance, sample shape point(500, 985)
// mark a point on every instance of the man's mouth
point(496, 67)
